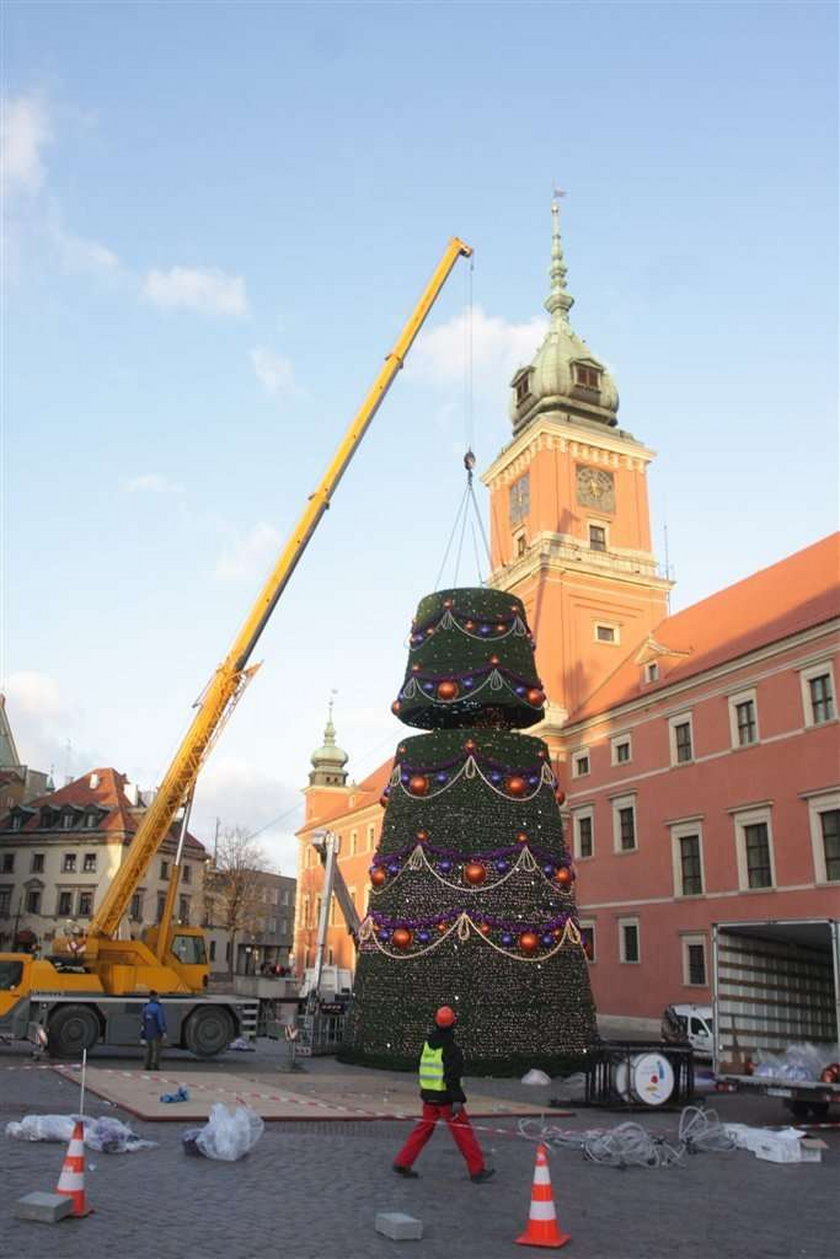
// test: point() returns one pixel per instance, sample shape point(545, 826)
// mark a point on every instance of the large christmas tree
point(472, 896)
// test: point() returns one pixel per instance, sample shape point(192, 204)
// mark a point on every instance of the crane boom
point(224, 686)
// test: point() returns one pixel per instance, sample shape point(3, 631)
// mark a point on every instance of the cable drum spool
point(645, 1078)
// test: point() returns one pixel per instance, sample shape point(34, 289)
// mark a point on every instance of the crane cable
point(468, 500)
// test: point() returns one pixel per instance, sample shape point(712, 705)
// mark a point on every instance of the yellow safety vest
point(431, 1069)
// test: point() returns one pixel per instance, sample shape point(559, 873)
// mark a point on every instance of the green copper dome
point(329, 760)
point(565, 375)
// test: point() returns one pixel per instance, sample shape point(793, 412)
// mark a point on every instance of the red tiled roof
point(108, 793)
point(795, 594)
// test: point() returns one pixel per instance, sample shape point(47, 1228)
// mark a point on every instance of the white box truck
point(776, 985)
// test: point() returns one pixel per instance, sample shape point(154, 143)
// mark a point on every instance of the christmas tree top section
point(470, 663)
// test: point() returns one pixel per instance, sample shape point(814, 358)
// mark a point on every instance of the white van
point(692, 1023)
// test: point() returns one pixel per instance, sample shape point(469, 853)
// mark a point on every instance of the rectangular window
point(186, 874)
point(745, 727)
point(371, 834)
point(757, 851)
point(136, 910)
point(606, 634)
point(681, 746)
point(822, 698)
point(37, 863)
point(67, 820)
point(65, 904)
point(68, 865)
point(691, 869)
point(8, 863)
point(85, 904)
point(33, 902)
point(161, 905)
point(624, 824)
point(164, 869)
point(830, 827)
point(652, 671)
point(587, 377)
point(184, 909)
point(354, 842)
point(519, 500)
point(584, 837)
point(694, 961)
point(621, 750)
point(597, 538)
point(89, 864)
point(628, 929)
point(580, 764)
point(212, 950)
point(5, 902)
point(587, 940)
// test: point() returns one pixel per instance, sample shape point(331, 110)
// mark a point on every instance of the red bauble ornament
point(395, 707)
point(557, 933)
point(560, 796)
point(430, 631)
point(378, 876)
point(401, 938)
point(521, 838)
point(529, 942)
point(494, 659)
point(470, 745)
point(383, 800)
point(443, 926)
point(475, 872)
point(484, 928)
point(536, 697)
point(422, 836)
point(500, 629)
point(516, 785)
point(447, 690)
point(418, 784)
point(469, 625)
point(447, 603)
point(415, 668)
point(564, 876)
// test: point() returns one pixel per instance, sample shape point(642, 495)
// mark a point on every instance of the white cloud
point(250, 556)
point(209, 291)
point(34, 695)
point(78, 254)
point(24, 131)
point(236, 792)
point(150, 482)
point(498, 348)
point(274, 372)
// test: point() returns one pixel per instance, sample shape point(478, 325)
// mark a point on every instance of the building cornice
point(612, 448)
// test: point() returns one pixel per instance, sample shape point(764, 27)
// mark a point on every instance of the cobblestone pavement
point(311, 1190)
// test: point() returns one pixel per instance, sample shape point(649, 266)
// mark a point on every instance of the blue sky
point(218, 217)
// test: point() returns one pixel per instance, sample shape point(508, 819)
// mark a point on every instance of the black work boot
point(408, 1172)
point(485, 1174)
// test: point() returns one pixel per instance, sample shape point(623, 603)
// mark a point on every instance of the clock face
point(595, 488)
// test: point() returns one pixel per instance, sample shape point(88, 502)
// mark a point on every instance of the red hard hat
point(446, 1016)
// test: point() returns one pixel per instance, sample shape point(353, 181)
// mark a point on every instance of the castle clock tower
point(569, 514)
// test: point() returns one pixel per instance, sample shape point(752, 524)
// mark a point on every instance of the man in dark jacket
point(152, 1030)
point(441, 1066)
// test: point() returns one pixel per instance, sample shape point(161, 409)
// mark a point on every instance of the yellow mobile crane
point(77, 997)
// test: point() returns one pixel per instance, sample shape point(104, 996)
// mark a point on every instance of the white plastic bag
point(535, 1076)
point(229, 1134)
point(105, 1134)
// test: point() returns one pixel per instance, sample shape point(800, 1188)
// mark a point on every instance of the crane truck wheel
point(207, 1032)
point(71, 1029)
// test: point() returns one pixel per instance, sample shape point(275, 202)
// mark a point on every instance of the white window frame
point(614, 629)
point(651, 672)
point(618, 741)
point(681, 719)
point(683, 830)
point(752, 817)
point(629, 922)
point(742, 697)
point(817, 805)
point(618, 803)
point(371, 837)
point(805, 677)
point(694, 940)
point(585, 811)
point(591, 925)
point(354, 843)
point(577, 755)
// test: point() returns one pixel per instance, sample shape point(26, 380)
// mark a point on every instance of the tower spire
point(559, 302)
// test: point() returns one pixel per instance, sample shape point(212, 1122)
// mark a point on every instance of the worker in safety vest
point(441, 1065)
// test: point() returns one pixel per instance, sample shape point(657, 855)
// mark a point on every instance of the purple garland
point(393, 861)
point(517, 683)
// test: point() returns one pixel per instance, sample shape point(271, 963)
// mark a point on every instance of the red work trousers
point(460, 1127)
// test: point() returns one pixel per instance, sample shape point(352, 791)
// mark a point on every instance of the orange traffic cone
point(71, 1182)
point(542, 1228)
